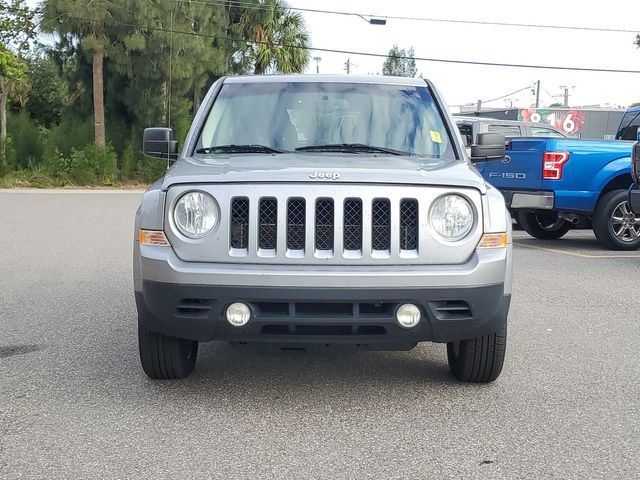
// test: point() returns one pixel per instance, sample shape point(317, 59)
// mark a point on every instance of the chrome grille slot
point(324, 224)
point(240, 223)
point(352, 224)
point(296, 222)
point(409, 225)
point(381, 224)
point(268, 224)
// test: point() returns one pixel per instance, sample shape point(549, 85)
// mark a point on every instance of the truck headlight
point(452, 217)
point(196, 214)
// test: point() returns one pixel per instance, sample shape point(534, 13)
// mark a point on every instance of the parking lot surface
point(74, 402)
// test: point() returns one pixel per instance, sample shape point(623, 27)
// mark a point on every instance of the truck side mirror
point(488, 147)
point(158, 142)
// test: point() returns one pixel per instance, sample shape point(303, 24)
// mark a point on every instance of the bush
point(27, 140)
point(93, 164)
point(69, 134)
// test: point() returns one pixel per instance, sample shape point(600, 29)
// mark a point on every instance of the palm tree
point(282, 40)
point(85, 21)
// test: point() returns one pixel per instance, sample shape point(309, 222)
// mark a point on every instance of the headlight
point(196, 214)
point(452, 217)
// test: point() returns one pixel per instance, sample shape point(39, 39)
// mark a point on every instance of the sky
point(463, 84)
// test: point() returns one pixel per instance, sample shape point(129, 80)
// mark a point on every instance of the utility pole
point(348, 66)
point(317, 59)
point(479, 106)
point(538, 94)
point(565, 94)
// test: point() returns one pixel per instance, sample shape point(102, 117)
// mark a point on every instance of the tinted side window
point(509, 131)
point(545, 132)
point(466, 130)
point(629, 126)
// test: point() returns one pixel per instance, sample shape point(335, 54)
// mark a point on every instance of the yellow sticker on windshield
point(435, 136)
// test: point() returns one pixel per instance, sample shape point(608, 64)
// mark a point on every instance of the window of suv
point(629, 126)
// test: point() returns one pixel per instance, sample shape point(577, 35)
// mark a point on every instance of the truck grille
point(381, 224)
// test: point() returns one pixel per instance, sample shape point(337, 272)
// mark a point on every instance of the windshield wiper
point(239, 149)
point(351, 147)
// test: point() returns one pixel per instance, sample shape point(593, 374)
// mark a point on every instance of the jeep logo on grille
point(324, 175)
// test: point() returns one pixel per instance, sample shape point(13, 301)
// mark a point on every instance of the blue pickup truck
point(553, 184)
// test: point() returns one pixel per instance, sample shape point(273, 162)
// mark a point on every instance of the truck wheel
point(166, 358)
point(614, 224)
point(478, 360)
point(544, 225)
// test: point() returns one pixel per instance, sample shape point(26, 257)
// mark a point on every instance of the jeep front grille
point(268, 228)
point(239, 223)
point(408, 224)
point(296, 224)
point(352, 225)
point(381, 225)
point(324, 224)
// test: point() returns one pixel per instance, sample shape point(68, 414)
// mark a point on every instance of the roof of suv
point(300, 78)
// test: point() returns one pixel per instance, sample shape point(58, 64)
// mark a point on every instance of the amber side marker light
point(494, 240)
point(153, 237)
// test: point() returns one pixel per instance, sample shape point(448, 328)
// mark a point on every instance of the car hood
point(315, 167)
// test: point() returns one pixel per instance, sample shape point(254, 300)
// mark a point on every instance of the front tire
point(614, 224)
point(166, 358)
point(544, 225)
point(478, 360)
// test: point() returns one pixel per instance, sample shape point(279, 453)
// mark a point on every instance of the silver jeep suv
point(323, 210)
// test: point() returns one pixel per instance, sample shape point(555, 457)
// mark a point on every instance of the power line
point(244, 4)
point(507, 95)
point(365, 54)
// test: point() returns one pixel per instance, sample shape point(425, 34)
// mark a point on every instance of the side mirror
point(488, 147)
point(158, 142)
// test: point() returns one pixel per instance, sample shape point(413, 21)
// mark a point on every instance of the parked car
point(554, 183)
point(470, 127)
point(321, 210)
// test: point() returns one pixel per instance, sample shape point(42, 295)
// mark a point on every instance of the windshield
point(302, 115)
point(629, 126)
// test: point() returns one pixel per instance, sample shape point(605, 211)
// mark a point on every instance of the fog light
point(238, 314)
point(408, 315)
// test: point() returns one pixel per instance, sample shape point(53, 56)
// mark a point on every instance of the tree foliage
point(400, 63)
point(123, 65)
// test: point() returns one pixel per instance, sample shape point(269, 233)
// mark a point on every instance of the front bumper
point(330, 305)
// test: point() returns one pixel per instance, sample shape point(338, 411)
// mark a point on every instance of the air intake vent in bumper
point(451, 310)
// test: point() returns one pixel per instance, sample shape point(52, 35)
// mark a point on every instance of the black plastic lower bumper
point(293, 316)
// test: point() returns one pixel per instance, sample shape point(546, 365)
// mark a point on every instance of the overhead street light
point(373, 21)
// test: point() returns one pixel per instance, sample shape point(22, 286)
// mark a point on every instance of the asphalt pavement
point(74, 402)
